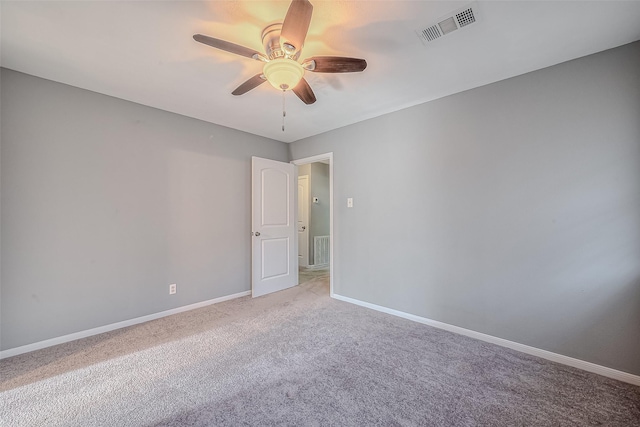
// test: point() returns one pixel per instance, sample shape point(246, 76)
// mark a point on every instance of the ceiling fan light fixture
point(283, 42)
point(283, 73)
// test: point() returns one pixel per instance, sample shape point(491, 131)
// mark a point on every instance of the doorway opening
point(315, 220)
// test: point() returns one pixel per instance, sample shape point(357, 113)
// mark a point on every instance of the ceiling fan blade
point(252, 83)
point(227, 46)
point(304, 92)
point(334, 64)
point(296, 24)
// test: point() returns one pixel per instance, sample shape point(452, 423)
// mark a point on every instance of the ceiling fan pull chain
point(284, 112)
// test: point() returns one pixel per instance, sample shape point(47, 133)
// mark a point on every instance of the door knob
point(304, 227)
point(257, 233)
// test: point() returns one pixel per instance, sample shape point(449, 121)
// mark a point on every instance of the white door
point(303, 220)
point(274, 236)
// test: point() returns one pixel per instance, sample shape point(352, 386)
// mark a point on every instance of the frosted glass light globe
point(283, 73)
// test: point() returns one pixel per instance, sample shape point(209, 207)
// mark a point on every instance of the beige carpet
point(306, 275)
point(298, 357)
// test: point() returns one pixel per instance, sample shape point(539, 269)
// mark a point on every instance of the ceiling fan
point(283, 44)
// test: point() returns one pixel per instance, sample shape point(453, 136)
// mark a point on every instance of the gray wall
point(319, 212)
point(512, 209)
point(107, 202)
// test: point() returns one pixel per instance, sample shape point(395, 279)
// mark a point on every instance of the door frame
point(314, 159)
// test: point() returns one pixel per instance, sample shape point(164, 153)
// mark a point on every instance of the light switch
point(350, 202)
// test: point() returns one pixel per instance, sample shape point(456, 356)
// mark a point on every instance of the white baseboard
point(554, 357)
point(107, 328)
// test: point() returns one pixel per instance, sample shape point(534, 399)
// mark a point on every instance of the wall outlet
point(172, 289)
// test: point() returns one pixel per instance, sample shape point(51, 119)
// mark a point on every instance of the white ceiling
point(143, 51)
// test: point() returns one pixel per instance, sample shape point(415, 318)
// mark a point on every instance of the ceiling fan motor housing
point(272, 46)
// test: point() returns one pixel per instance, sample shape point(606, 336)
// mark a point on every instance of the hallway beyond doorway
point(308, 274)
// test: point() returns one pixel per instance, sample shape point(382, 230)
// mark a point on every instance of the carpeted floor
point(305, 274)
point(300, 358)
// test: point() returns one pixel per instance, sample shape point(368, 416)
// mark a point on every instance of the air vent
point(447, 26)
point(465, 17)
point(431, 33)
point(449, 23)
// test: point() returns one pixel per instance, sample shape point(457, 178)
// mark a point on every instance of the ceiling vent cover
point(449, 23)
point(465, 17)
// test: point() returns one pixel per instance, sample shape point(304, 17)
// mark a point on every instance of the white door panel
point(274, 239)
point(275, 261)
point(275, 206)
